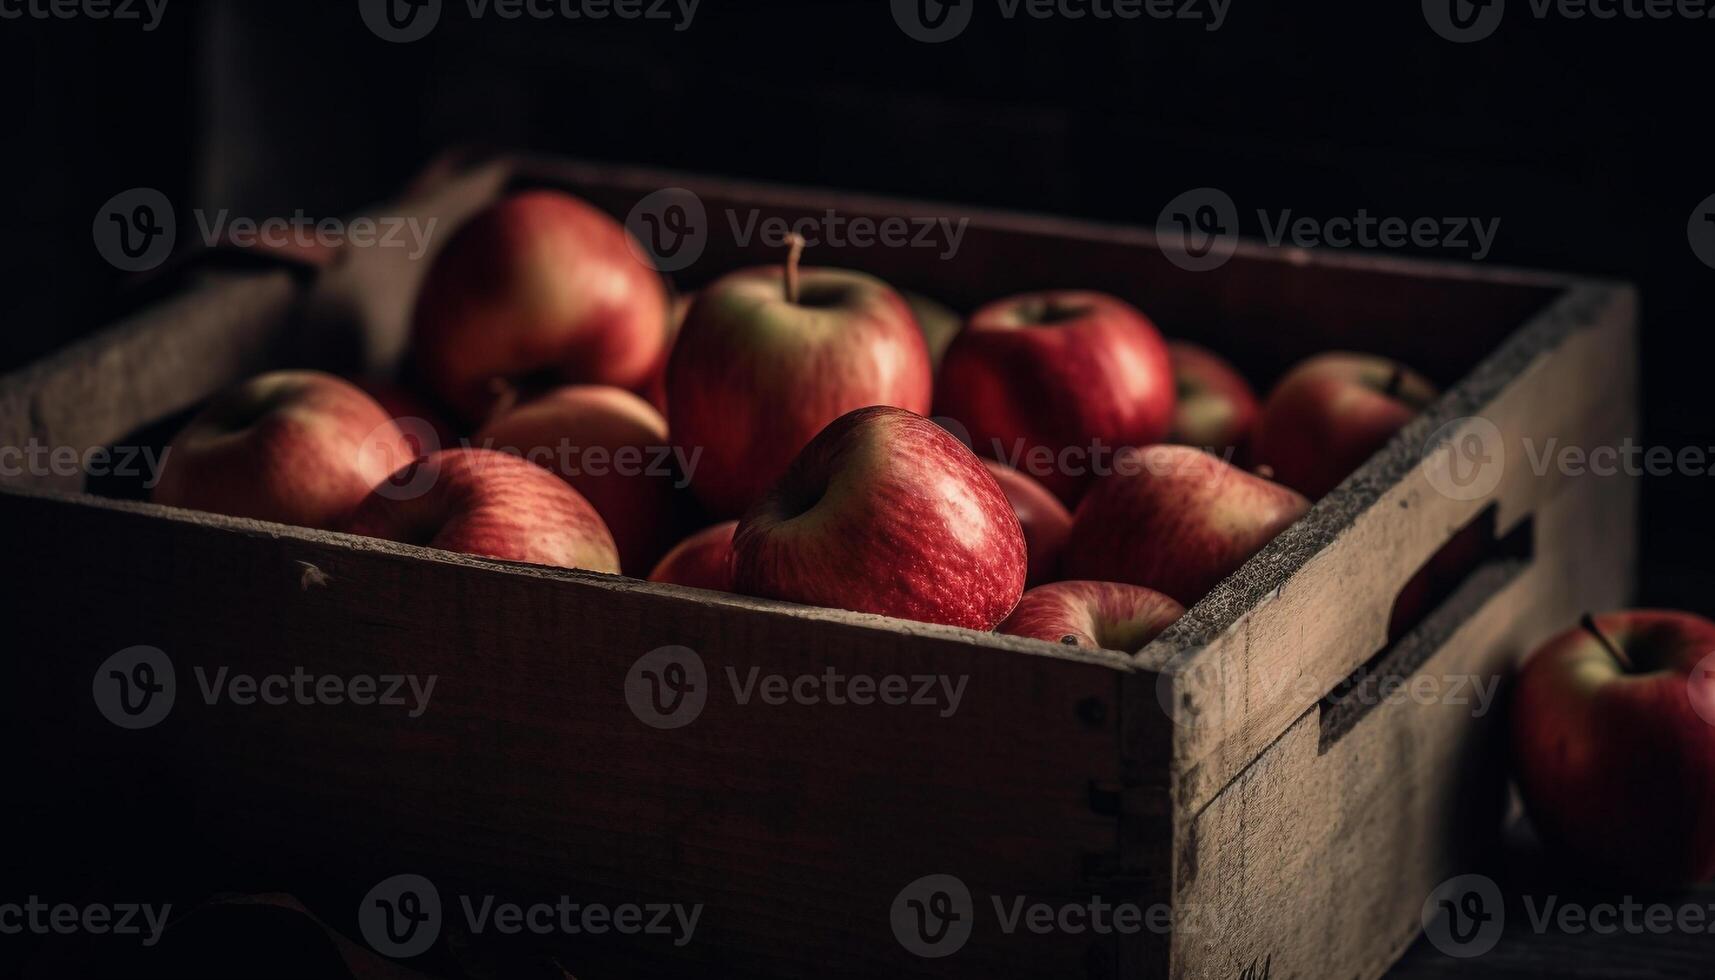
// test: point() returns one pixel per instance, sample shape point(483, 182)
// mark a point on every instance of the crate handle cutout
point(1457, 581)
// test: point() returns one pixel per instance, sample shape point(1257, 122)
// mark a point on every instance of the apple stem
point(795, 251)
point(1589, 623)
point(1395, 381)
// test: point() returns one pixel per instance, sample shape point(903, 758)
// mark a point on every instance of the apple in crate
point(609, 445)
point(482, 502)
point(1045, 520)
point(886, 512)
point(297, 447)
point(1054, 382)
point(1613, 733)
point(1175, 519)
point(701, 561)
point(769, 356)
point(537, 289)
point(1215, 408)
point(1331, 413)
point(1100, 615)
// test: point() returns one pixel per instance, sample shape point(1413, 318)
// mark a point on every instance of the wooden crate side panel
point(796, 825)
point(1313, 606)
point(1319, 862)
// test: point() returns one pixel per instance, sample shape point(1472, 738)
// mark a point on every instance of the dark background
point(1585, 137)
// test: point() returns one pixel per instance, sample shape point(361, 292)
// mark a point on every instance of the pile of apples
point(797, 404)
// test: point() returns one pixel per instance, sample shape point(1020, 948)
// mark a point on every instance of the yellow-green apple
point(1175, 519)
point(297, 447)
point(1054, 382)
point(1045, 520)
point(1331, 413)
point(611, 447)
point(769, 356)
point(937, 321)
point(482, 502)
point(539, 288)
point(702, 561)
point(1215, 408)
point(886, 512)
point(1613, 733)
point(1100, 615)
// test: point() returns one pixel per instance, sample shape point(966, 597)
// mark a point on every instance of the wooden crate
point(1238, 771)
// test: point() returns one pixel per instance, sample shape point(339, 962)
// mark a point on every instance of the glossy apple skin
point(638, 506)
point(885, 512)
point(753, 378)
point(297, 447)
point(1058, 371)
point(1330, 414)
point(1094, 615)
point(539, 285)
point(701, 561)
point(1045, 520)
point(1619, 768)
point(1176, 520)
point(482, 502)
point(1215, 408)
point(937, 321)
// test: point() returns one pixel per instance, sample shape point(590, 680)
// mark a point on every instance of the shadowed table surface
point(1558, 924)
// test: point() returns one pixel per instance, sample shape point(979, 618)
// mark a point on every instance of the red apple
point(938, 323)
point(702, 561)
point(538, 288)
point(297, 447)
point(1055, 382)
point(656, 389)
point(481, 502)
point(1215, 408)
point(1331, 413)
point(885, 512)
point(1102, 615)
point(1045, 520)
point(1176, 520)
point(611, 447)
point(1613, 732)
point(426, 427)
point(768, 357)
